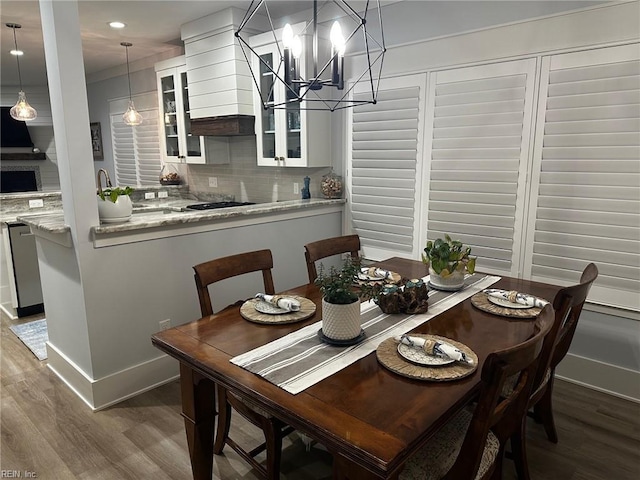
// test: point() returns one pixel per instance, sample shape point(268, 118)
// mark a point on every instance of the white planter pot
point(453, 281)
point(118, 212)
point(341, 322)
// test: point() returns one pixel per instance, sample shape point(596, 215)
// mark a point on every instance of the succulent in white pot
point(114, 203)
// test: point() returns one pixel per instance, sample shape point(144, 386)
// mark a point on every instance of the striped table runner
point(300, 359)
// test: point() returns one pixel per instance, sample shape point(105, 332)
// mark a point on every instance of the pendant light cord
point(128, 74)
point(15, 42)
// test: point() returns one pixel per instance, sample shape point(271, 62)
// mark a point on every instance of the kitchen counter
point(159, 221)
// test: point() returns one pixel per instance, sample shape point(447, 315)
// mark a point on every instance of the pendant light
point(131, 116)
point(321, 85)
point(21, 110)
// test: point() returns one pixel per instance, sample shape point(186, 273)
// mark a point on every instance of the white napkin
point(373, 273)
point(435, 347)
point(286, 303)
point(516, 297)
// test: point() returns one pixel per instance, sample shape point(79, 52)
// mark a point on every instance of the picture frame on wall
point(96, 141)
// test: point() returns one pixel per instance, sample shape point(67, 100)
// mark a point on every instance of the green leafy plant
point(445, 256)
point(112, 193)
point(340, 286)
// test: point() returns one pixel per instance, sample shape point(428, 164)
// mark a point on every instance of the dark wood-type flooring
point(48, 430)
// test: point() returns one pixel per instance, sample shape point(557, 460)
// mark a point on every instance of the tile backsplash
point(247, 182)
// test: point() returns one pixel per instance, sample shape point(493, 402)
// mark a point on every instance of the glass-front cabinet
point(290, 136)
point(178, 144)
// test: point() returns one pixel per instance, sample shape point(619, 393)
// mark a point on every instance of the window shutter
point(587, 162)
point(384, 169)
point(480, 120)
point(136, 150)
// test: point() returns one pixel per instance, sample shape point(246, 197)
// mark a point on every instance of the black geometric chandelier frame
point(323, 88)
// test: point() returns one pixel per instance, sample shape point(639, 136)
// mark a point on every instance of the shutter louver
point(479, 145)
point(136, 150)
point(383, 172)
point(588, 196)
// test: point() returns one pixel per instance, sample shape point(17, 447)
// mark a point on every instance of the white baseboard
point(104, 392)
point(614, 380)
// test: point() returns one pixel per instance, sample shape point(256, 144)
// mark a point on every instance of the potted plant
point(114, 203)
point(448, 260)
point(341, 301)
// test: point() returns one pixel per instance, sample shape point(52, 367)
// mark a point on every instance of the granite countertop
point(171, 214)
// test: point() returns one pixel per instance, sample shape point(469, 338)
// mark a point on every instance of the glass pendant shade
point(22, 110)
point(131, 116)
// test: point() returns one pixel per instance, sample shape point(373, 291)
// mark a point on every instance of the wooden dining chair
point(274, 429)
point(471, 445)
point(328, 247)
point(567, 304)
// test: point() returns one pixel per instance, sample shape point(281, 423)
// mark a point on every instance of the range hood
point(220, 83)
point(225, 125)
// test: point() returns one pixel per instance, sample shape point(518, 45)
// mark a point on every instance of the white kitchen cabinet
point(291, 136)
point(178, 144)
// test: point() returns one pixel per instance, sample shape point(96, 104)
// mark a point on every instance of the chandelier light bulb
point(287, 36)
point(296, 46)
point(22, 110)
point(336, 37)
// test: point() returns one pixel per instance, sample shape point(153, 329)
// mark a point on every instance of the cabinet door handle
point(23, 234)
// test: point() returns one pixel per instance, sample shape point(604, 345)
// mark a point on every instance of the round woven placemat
point(481, 302)
point(249, 312)
point(388, 356)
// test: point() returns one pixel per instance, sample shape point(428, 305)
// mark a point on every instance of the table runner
point(299, 360)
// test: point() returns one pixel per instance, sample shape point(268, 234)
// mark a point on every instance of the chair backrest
point(568, 304)
point(501, 415)
point(231, 266)
point(315, 251)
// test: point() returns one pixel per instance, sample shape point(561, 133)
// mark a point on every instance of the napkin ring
point(429, 346)
point(512, 295)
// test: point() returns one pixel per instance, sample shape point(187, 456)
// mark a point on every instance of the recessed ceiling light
point(16, 52)
point(117, 25)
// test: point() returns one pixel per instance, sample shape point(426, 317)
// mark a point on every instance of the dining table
point(370, 418)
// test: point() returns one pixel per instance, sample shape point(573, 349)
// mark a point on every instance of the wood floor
point(47, 430)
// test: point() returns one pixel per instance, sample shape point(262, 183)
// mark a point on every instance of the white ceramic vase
point(453, 281)
point(341, 322)
point(118, 212)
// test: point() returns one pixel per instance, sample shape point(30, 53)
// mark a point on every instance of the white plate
point(420, 357)
point(268, 308)
point(506, 303)
point(378, 274)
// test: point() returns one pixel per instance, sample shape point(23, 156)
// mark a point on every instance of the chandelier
point(21, 110)
point(131, 116)
point(309, 63)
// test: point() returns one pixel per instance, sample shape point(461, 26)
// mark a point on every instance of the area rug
point(34, 335)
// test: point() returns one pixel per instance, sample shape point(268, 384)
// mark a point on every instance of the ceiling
point(153, 27)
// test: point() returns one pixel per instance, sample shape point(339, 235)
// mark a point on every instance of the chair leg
point(224, 421)
point(519, 451)
point(544, 411)
point(273, 439)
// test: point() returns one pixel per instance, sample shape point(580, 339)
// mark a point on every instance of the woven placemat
point(249, 312)
point(388, 356)
point(481, 301)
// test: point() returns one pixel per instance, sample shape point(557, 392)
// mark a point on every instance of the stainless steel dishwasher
point(25, 269)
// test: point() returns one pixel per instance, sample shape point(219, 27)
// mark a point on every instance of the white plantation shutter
point(136, 149)
point(480, 121)
point(384, 169)
point(586, 191)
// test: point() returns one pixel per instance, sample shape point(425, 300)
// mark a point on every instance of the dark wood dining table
point(371, 419)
